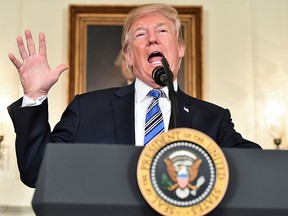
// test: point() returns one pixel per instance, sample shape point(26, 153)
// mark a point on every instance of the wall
point(245, 58)
point(270, 64)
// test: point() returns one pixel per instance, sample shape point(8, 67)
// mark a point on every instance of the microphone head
point(159, 75)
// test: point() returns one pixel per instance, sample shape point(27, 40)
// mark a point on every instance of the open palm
point(35, 73)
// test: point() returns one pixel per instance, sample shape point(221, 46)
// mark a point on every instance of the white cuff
point(26, 102)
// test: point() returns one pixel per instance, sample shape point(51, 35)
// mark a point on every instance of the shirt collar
point(142, 89)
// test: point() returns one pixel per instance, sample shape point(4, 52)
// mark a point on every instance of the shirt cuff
point(28, 102)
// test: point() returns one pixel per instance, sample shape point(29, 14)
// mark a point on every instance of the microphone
point(163, 76)
point(159, 76)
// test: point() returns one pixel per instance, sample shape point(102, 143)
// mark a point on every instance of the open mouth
point(155, 58)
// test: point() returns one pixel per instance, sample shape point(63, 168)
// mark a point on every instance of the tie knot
point(156, 93)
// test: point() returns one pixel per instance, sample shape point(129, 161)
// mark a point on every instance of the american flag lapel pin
point(186, 109)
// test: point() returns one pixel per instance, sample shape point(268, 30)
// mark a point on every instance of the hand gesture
point(35, 73)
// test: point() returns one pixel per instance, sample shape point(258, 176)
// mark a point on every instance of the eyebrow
point(157, 26)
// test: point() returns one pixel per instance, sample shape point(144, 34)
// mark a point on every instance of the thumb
point(61, 68)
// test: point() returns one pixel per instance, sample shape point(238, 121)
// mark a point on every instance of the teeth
point(156, 62)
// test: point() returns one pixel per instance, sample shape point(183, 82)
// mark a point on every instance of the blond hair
point(163, 9)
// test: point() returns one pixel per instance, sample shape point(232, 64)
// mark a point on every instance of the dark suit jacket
point(107, 116)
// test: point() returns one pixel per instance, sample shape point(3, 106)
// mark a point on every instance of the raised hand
point(35, 73)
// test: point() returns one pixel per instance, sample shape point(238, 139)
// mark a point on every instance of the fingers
point(30, 42)
point(30, 45)
point(22, 50)
point(15, 61)
point(42, 44)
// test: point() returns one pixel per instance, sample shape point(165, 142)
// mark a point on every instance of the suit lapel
point(123, 112)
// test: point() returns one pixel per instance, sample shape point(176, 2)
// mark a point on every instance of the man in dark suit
point(116, 115)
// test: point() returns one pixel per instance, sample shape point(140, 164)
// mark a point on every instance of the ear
point(128, 57)
point(181, 50)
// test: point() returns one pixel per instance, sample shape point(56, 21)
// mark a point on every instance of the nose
point(152, 38)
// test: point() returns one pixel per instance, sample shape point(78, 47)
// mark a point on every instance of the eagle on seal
point(182, 175)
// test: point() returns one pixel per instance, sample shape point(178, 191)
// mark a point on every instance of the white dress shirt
point(142, 101)
point(26, 101)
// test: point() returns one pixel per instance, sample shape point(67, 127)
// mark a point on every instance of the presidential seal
point(182, 172)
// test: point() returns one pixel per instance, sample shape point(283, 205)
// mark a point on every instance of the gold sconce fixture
point(276, 118)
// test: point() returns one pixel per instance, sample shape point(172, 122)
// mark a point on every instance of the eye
point(140, 34)
point(162, 30)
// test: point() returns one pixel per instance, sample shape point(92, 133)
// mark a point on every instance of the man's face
point(153, 37)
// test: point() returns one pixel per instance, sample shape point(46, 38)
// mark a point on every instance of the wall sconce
point(4, 149)
point(276, 118)
point(4, 154)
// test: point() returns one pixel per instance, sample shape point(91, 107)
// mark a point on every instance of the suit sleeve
point(228, 137)
point(33, 133)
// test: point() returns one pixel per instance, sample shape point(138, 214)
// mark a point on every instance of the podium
point(97, 179)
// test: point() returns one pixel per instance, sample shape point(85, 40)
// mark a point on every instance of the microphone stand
point(172, 93)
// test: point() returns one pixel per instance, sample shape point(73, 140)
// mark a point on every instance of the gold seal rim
point(176, 135)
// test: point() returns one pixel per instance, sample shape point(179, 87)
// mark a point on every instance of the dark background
point(103, 46)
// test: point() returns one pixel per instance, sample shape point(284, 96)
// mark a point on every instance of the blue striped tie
point(154, 123)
